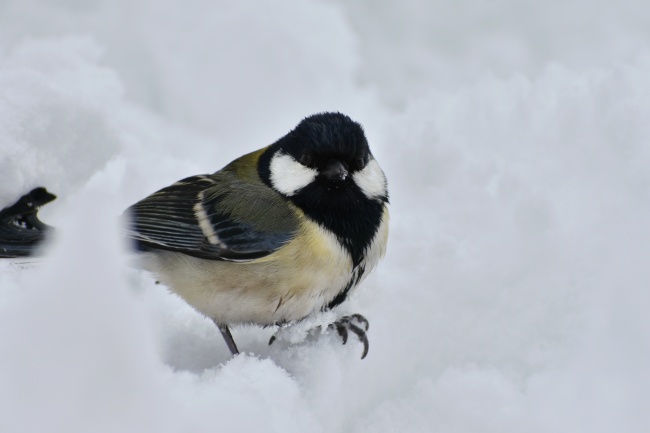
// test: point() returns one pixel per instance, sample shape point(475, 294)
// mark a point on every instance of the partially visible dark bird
point(21, 232)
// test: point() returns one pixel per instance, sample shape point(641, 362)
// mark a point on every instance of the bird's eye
point(360, 162)
point(305, 159)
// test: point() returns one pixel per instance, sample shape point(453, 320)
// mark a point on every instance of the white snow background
point(516, 139)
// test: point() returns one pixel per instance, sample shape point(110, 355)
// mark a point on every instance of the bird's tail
point(21, 232)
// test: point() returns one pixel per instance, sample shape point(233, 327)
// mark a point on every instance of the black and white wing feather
point(216, 217)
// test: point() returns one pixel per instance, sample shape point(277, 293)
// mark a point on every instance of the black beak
point(335, 171)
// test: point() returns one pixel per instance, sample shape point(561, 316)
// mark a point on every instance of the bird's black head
point(325, 167)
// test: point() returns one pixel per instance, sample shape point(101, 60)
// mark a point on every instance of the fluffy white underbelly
point(293, 282)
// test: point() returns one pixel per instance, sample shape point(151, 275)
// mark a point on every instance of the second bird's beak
point(335, 171)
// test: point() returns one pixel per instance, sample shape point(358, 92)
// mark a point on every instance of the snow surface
point(516, 141)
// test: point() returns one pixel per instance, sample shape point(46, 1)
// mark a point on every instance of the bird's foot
point(356, 324)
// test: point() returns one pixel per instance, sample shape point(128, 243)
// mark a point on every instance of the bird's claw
point(355, 323)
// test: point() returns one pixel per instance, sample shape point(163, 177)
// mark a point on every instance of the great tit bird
point(276, 235)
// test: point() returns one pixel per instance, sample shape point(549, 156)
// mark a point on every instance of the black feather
point(21, 232)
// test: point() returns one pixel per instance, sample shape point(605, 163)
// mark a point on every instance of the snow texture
point(516, 142)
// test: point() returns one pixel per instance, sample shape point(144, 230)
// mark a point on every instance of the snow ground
point(516, 142)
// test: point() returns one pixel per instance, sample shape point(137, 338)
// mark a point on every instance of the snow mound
point(515, 141)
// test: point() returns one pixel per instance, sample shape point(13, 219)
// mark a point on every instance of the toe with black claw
point(356, 324)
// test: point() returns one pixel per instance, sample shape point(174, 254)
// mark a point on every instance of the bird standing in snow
point(276, 235)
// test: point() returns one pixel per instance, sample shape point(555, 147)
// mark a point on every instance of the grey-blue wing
point(216, 217)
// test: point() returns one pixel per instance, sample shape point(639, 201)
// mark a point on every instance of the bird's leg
point(356, 324)
point(225, 332)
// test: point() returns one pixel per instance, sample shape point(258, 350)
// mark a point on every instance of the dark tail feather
point(21, 232)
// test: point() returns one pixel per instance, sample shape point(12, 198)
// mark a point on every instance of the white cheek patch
point(371, 180)
point(288, 175)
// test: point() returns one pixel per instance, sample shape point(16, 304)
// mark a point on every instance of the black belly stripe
point(343, 294)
